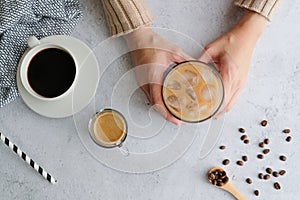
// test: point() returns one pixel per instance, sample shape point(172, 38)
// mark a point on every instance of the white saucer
point(86, 85)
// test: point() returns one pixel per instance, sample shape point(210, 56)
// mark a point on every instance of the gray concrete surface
point(272, 92)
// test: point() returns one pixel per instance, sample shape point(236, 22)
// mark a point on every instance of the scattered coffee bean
point(282, 172)
point(260, 176)
point(266, 176)
point(277, 186)
point(260, 156)
point(246, 141)
point(249, 180)
point(256, 192)
point(286, 131)
point(264, 122)
point(261, 144)
point(222, 147)
point(275, 174)
point(283, 158)
point(226, 162)
point(243, 137)
point(266, 141)
point(266, 151)
point(240, 163)
point(245, 158)
point(242, 130)
point(288, 139)
point(269, 170)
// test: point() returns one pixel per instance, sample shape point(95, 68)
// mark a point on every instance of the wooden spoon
point(227, 186)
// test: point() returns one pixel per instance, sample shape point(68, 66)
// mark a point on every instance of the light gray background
point(272, 92)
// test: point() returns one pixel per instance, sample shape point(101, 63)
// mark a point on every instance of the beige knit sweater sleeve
point(124, 16)
point(263, 7)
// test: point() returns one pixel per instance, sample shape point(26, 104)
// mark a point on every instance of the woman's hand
point(152, 55)
point(232, 54)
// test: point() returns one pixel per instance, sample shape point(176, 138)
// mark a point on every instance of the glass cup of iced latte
point(193, 91)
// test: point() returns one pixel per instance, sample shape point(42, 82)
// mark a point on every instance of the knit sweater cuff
point(124, 16)
point(263, 7)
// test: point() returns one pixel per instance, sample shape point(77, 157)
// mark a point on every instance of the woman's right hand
point(152, 55)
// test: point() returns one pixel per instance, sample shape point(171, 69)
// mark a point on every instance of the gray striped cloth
point(20, 19)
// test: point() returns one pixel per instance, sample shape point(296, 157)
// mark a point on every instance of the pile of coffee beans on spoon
point(218, 177)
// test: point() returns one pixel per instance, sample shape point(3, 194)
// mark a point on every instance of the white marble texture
point(272, 92)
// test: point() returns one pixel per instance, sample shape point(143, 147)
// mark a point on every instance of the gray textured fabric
point(20, 19)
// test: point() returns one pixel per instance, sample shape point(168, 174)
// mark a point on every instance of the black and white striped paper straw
point(22, 155)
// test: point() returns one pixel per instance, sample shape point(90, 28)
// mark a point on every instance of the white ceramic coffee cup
point(34, 47)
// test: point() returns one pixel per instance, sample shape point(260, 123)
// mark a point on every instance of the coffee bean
point(243, 137)
point(256, 192)
point(266, 176)
point(245, 158)
point(288, 139)
point(261, 144)
point(283, 158)
point(286, 131)
point(226, 162)
point(282, 172)
point(277, 186)
point(211, 176)
point(242, 130)
point(249, 180)
point(260, 176)
point(223, 174)
point(266, 141)
point(260, 156)
point(246, 141)
point(264, 122)
point(240, 163)
point(269, 170)
point(214, 182)
point(275, 174)
point(266, 151)
point(225, 179)
point(219, 183)
point(222, 147)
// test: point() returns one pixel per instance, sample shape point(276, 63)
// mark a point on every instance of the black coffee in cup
point(51, 72)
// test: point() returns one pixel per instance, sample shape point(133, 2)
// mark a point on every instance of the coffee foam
point(108, 128)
